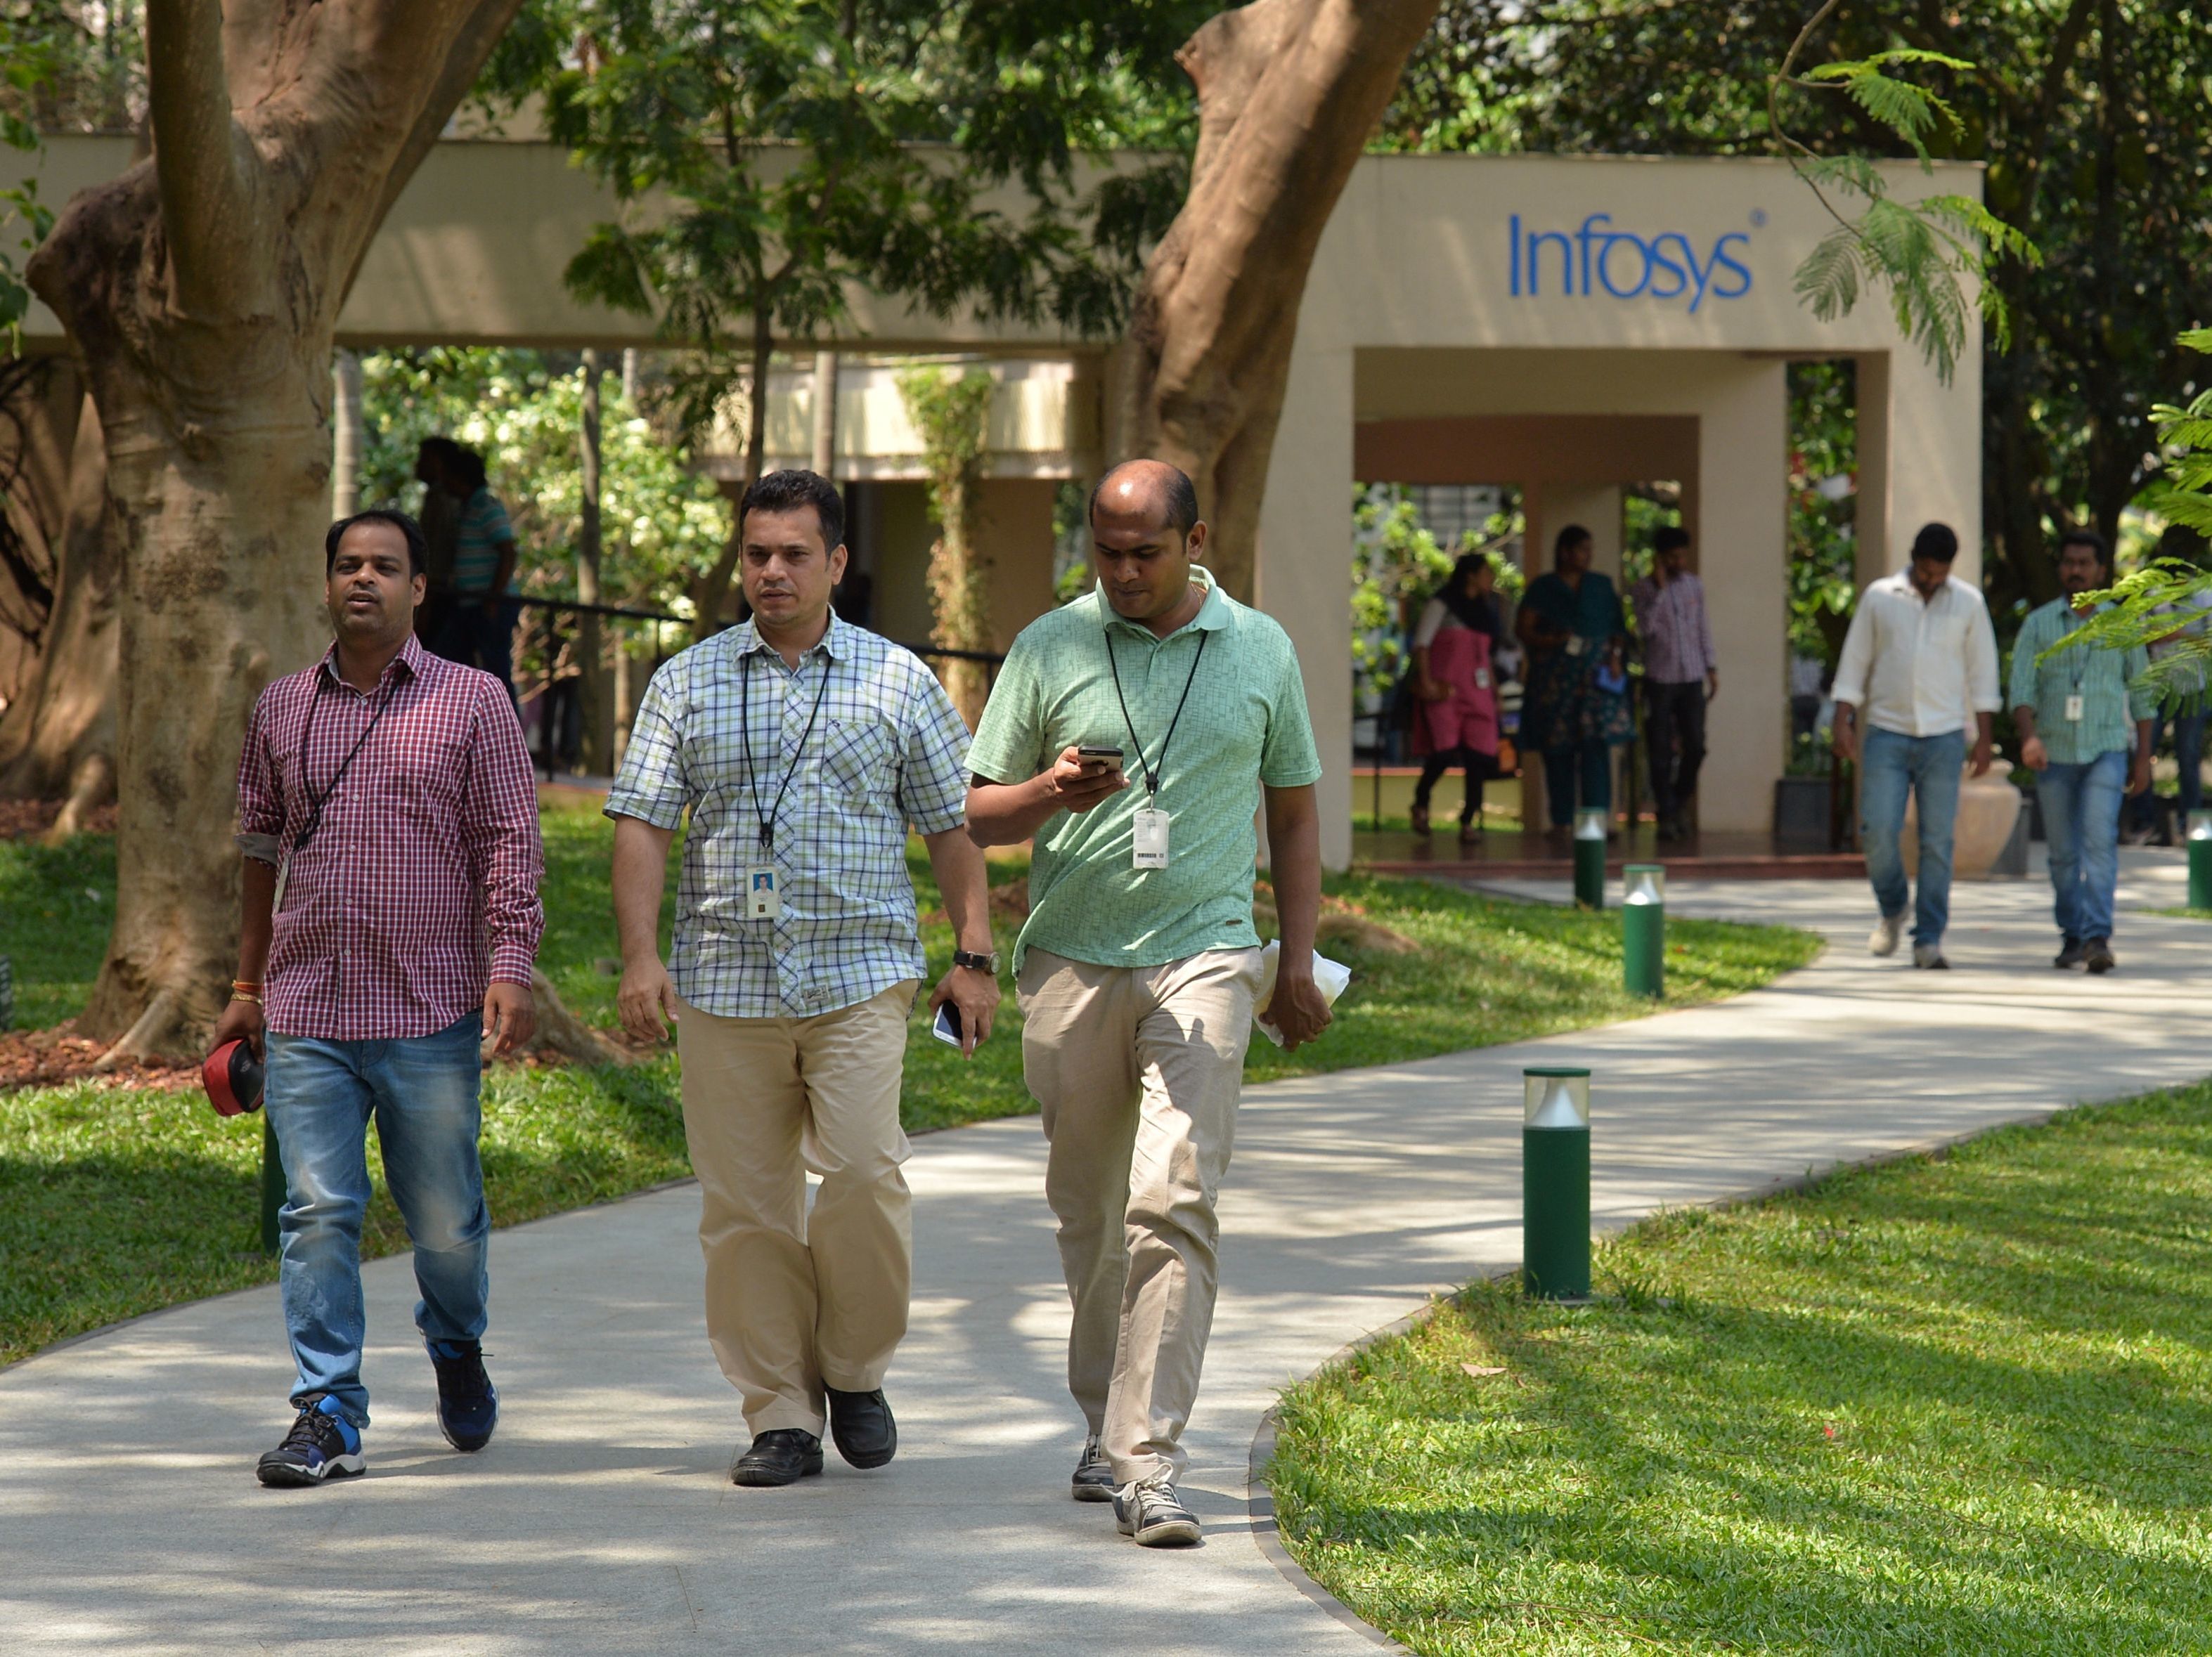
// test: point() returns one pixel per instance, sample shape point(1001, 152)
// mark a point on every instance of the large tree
point(1289, 92)
point(200, 290)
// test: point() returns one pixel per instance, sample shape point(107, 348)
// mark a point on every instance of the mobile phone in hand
point(947, 1027)
point(1100, 751)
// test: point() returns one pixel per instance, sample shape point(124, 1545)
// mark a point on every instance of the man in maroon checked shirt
point(389, 820)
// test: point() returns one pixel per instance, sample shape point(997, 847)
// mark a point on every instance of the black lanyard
point(1153, 774)
point(317, 802)
point(745, 736)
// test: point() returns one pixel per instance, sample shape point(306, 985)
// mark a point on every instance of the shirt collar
point(411, 656)
point(1212, 612)
point(836, 644)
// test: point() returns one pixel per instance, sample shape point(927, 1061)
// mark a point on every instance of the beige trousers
point(793, 1300)
point(1138, 1070)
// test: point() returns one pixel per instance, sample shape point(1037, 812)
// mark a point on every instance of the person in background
point(1575, 709)
point(437, 470)
point(480, 629)
point(389, 920)
point(1921, 662)
point(1681, 674)
point(1454, 685)
point(2146, 819)
point(2073, 713)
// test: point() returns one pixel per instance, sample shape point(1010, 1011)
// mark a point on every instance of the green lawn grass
point(2179, 915)
point(1955, 1405)
point(114, 1201)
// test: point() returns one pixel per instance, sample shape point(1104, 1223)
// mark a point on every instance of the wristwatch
point(982, 963)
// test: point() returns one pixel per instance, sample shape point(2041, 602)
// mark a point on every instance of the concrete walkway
point(600, 1521)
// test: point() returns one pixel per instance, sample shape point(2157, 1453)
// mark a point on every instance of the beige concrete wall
point(1016, 534)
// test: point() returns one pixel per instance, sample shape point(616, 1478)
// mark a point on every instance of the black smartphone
point(1089, 751)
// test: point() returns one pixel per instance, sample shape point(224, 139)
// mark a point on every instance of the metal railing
point(561, 691)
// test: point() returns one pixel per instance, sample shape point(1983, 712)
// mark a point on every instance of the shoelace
point(308, 1431)
point(465, 1372)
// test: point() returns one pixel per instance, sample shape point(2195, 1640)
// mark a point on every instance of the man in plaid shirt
point(803, 747)
point(391, 915)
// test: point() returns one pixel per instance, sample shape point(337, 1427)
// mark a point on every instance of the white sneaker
point(1929, 955)
point(1887, 931)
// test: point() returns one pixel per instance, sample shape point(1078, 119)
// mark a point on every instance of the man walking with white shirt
point(1921, 661)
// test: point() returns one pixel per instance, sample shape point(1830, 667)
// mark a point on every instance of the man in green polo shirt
point(2079, 726)
point(1139, 966)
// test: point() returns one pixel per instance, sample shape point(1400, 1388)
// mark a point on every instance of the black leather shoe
point(861, 1425)
point(782, 1457)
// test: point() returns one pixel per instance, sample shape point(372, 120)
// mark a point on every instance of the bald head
point(1151, 491)
point(1145, 533)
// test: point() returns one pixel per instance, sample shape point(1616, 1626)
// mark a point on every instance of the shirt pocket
point(425, 771)
point(857, 761)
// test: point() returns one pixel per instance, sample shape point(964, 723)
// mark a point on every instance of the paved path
point(600, 1521)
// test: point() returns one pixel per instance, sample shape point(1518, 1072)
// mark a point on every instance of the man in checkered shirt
point(803, 748)
point(390, 918)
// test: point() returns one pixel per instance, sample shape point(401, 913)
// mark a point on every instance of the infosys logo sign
point(1595, 258)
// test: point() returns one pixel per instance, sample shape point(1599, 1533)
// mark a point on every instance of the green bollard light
point(1643, 929)
point(1590, 857)
point(2200, 860)
point(272, 1186)
point(1555, 1184)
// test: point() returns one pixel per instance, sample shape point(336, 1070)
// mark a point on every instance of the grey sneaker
point(1887, 931)
point(1155, 1515)
point(1929, 956)
point(1094, 1474)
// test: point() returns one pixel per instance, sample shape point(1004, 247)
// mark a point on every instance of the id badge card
point(763, 893)
point(1149, 844)
point(1482, 678)
point(1576, 644)
point(2074, 707)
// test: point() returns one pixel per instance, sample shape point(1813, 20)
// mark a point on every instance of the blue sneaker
point(322, 1444)
point(468, 1404)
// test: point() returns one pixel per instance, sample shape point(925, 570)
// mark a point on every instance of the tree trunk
point(58, 735)
point(1289, 91)
point(711, 590)
point(200, 289)
point(345, 436)
point(599, 721)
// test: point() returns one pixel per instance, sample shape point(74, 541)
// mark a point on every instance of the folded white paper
point(1331, 978)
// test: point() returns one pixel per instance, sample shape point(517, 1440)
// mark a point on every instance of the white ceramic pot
point(1988, 807)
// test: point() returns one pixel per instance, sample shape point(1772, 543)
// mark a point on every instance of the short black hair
point(1937, 541)
point(1669, 537)
point(1568, 537)
point(418, 551)
point(784, 491)
point(2091, 539)
point(468, 467)
point(1181, 501)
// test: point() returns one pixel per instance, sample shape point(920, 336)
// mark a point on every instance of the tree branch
point(204, 192)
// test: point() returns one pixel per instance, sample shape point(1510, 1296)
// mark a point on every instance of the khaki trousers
point(795, 1301)
point(1138, 1070)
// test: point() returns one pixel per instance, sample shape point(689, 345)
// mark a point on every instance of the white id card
point(1150, 844)
point(763, 893)
point(1576, 644)
point(1482, 678)
point(2073, 709)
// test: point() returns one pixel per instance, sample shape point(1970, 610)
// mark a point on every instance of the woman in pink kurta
point(1455, 722)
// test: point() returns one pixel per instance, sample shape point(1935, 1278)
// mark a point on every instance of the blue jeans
point(1588, 761)
point(423, 1092)
point(1890, 767)
point(2081, 825)
point(2189, 757)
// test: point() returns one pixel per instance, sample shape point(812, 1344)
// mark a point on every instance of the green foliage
point(1823, 551)
point(2144, 602)
point(1936, 255)
point(952, 412)
point(1953, 1406)
point(770, 156)
point(661, 523)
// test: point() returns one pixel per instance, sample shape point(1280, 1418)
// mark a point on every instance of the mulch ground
point(24, 819)
point(49, 1057)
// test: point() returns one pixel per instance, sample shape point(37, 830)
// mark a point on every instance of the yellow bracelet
point(240, 995)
